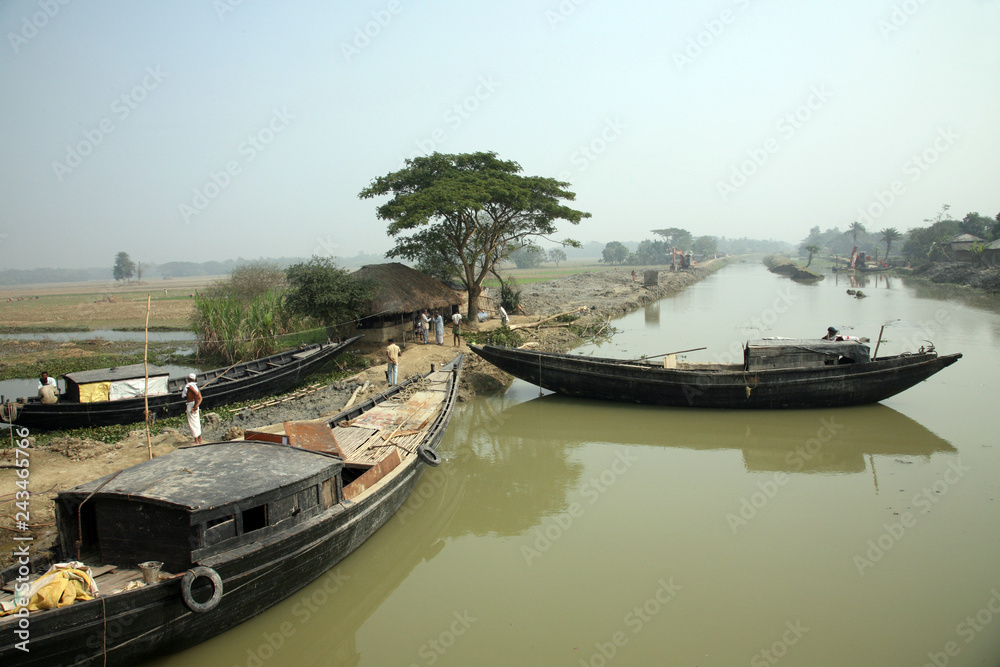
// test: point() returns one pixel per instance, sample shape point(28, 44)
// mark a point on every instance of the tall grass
point(234, 330)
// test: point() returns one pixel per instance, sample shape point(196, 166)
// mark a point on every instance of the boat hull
point(254, 384)
point(614, 380)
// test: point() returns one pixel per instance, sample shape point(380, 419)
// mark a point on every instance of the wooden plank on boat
point(373, 475)
point(314, 436)
point(264, 437)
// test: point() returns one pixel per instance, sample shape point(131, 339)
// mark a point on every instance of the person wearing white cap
point(192, 395)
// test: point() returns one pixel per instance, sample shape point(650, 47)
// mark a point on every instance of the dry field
point(99, 305)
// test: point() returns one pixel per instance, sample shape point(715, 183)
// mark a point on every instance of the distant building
point(991, 254)
point(961, 247)
point(401, 294)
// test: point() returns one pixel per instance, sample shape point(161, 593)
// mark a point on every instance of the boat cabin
point(196, 502)
point(780, 353)
point(115, 384)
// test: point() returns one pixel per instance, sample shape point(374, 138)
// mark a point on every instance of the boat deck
point(367, 439)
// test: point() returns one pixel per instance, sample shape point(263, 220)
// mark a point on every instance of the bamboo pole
point(145, 388)
point(534, 325)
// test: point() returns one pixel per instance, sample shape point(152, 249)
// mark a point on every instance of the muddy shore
point(69, 461)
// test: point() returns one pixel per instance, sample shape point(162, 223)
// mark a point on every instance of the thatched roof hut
point(401, 293)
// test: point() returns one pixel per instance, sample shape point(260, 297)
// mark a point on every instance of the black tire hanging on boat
point(429, 456)
point(187, 582)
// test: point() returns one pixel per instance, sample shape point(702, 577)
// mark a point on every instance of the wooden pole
point(667, 354)
point(145, 389)
point(535, 324)
point(878, 342)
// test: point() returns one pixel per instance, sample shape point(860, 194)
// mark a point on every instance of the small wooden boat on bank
point(775, 373)
point(115, 395)
point(234, 527)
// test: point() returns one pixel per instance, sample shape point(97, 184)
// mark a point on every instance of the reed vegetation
point(233, 330)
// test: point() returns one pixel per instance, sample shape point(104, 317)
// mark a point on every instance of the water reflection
point(833, 441)
point(652, 313)
point(513, 482)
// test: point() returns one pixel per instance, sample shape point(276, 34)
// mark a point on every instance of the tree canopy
point(474, 207)
point(615, 252)
point(320, 289)
point(124, 267)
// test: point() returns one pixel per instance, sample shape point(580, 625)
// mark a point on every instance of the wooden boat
point(236, 527)
point(114, 395)
point(775, 373)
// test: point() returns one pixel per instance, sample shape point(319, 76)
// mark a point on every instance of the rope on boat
point(9, 411)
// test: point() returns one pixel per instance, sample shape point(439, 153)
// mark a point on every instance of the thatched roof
point(404, 290)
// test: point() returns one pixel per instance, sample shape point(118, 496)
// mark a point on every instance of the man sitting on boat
point(192, 395)
point(831, 334)
point(48, 390)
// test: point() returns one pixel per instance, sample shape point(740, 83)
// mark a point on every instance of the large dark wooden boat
point(237, 526)
point(115, 395)
point(775, 373)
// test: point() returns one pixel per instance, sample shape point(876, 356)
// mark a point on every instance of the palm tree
point(855, 229)
point(890, 234)
point(812, 250)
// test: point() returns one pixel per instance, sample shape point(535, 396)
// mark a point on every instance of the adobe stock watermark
point(486, 419)
point(223, 7)
point(432, 650)
point(913, 169)
point(927, 328)
point(785, 129)
point(634, 620)
point(734, 355)
point(587, 153)
point(363, 35)
point(899, 16)
point(307, 604)
point(750, 506)
point(32, 24)
point(563, 11)
point(968, 629)
point(895, 531)
point(455, 116)
point(249, 150)
point(120, 108)
point(554, 527)
point(712, 30)
point(773, 654)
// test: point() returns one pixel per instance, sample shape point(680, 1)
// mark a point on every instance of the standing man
point(503, 317)
point(456, 330)
point(438, 328)
point(48, 390)
point(192, 395)
point(392, 369)
point(425, 321)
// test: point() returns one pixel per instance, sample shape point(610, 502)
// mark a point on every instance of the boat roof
point(847, 348)
point(212, 475)
point(129, 372)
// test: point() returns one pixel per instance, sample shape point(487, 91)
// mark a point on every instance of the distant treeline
point(160, 271)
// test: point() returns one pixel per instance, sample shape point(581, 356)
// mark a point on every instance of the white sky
point(197, 130)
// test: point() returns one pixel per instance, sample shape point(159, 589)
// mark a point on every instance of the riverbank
point(68, 461)
point(986, 279)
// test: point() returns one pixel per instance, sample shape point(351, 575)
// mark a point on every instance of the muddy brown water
point(570, 532)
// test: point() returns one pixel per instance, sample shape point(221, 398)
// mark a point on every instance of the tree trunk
point(473, 312)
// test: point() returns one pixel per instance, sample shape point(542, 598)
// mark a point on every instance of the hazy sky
point(201, 130)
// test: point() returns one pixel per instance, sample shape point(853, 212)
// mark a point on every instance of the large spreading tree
point(475, 208)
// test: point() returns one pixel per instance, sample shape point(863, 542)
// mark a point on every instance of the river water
point(571, 532)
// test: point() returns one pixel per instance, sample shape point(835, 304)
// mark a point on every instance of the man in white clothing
point(192, 395)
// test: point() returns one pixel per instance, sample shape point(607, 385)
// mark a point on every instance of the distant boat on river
point(115, 395)
point(775, 373)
